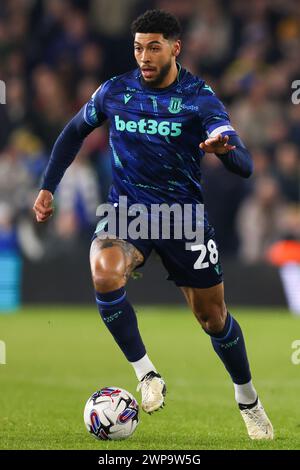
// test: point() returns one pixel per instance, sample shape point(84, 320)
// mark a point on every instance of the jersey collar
point(179, 71)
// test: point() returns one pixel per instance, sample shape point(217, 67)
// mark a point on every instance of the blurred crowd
point(55, 53)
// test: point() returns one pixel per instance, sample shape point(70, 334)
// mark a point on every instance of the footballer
point(162, 121)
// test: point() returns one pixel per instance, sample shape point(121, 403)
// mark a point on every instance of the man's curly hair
point(157, 21)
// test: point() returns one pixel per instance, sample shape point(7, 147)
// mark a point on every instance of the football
point(111, 413)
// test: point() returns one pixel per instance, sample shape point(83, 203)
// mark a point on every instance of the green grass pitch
point(57, 357)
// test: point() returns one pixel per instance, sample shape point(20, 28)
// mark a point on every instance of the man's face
point(155, 56)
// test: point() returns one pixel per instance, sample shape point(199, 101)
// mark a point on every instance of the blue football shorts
point(198, 267)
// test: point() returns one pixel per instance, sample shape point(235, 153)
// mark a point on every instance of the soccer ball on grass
point(111, 413)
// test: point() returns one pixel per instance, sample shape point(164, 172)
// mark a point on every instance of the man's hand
point(43, 206)
point(218, 144)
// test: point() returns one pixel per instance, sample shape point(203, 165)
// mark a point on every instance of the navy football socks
point(119, 317)
point(231, 349)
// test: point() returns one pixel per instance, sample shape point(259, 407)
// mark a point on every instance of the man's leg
point(112, 262)
point(228, 342)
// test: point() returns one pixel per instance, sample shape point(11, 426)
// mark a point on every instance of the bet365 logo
point(149, 126)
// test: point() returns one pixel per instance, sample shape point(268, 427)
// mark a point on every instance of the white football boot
point(153, 390)
point(257, 422)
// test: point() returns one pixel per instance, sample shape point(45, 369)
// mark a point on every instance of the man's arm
point(232, 152)
point(222, 138)
point(64, 151)
point(66, 148)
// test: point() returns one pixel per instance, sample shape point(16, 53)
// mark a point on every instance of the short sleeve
point(214, 117)
point(94, 113)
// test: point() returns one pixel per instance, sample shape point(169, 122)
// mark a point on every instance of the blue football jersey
point(155, 135)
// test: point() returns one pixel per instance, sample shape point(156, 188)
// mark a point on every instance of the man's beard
point(160, 78)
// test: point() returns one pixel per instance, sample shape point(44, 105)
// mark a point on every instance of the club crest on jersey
point(175, 105)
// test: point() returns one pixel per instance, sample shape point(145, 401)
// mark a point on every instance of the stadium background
point(53, 55)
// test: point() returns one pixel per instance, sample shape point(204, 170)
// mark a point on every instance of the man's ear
point(177, 48)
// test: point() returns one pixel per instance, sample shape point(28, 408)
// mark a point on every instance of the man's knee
point(211, 316)
point(108, 269)
point(108, 280)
